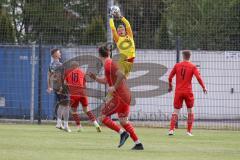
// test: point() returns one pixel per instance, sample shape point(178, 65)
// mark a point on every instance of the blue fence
point(15, 82)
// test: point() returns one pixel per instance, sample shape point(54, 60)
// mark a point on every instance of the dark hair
point(186, 54)
point(121, 26)
point(54, 50)
point(74, 64)
point(103, 51)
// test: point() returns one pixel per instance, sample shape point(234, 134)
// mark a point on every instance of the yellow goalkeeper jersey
point(125, 45)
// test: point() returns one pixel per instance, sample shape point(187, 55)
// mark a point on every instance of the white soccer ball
point(115, 10)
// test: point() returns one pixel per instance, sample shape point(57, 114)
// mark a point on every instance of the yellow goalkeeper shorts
point(126, 66)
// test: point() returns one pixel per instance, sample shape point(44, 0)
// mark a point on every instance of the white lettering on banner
point(2, 102)
point(232, 55)
point(24, 58)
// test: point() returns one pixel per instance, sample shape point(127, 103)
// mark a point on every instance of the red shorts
point(75, 100)
point(116, 105)
point(180, 97)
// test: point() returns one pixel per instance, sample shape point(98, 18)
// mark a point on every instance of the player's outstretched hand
point(205, 90)
point(117, 15)
point(92, 75)
point(49, 90)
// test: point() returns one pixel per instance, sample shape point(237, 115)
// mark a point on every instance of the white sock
point(59, 121)
point(96, 123)
point(137, 142)
point(60, 112)
point(66, 113)
point(65, 124)
point(121, 131)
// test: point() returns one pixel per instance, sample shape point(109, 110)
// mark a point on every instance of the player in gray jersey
point(56, 84)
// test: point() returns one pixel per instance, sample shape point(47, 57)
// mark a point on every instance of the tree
point(162, 38)
point(201, 24)
point(58, 21)
point(61, 21)
point(7, 34)
point(147, 18)
point(96, 31)
point(208, 25)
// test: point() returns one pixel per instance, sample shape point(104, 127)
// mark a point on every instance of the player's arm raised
point(172, 74)
point(128, 26)
point(200, 81)
point(114, 31)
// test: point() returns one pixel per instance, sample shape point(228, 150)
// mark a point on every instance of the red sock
point(91, 116)
point(76, 118)
point(190, 122)
point(129, 128)
point(173, 121)
point(111, 124)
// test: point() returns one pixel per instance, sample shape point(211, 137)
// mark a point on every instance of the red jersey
point(184, 72)
point(75, 79)
point(111, 69)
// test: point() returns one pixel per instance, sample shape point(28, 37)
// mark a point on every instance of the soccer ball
point(114, 11)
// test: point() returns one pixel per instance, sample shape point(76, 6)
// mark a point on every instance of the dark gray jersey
point(56, 71)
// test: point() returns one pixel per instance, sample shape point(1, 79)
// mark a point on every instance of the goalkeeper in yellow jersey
point(123, 37)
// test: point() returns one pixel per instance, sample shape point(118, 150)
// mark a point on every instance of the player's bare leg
point(59, 117)
point(173, 121)
point(130, 129)
point(190, 121)
point(92, 118)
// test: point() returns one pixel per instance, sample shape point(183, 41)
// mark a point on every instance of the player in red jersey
point(184, 72)
point(119, 102)
point(75, 80)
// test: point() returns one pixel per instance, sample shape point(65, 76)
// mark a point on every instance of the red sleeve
point(197, 75)
point(172, 74)
point(106, 68)
point(84, 80)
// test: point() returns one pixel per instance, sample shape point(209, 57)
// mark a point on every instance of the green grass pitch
point(44, 142)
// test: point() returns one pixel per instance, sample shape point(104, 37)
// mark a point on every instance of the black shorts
point(62, 99)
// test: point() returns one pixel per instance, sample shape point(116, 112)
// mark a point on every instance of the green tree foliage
point(201, 24)
point(50, 19)
point(58, 21)
point(7, 34)
point(96, 31)
point(148, 22)
point(204, 24)
point(162, 38)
